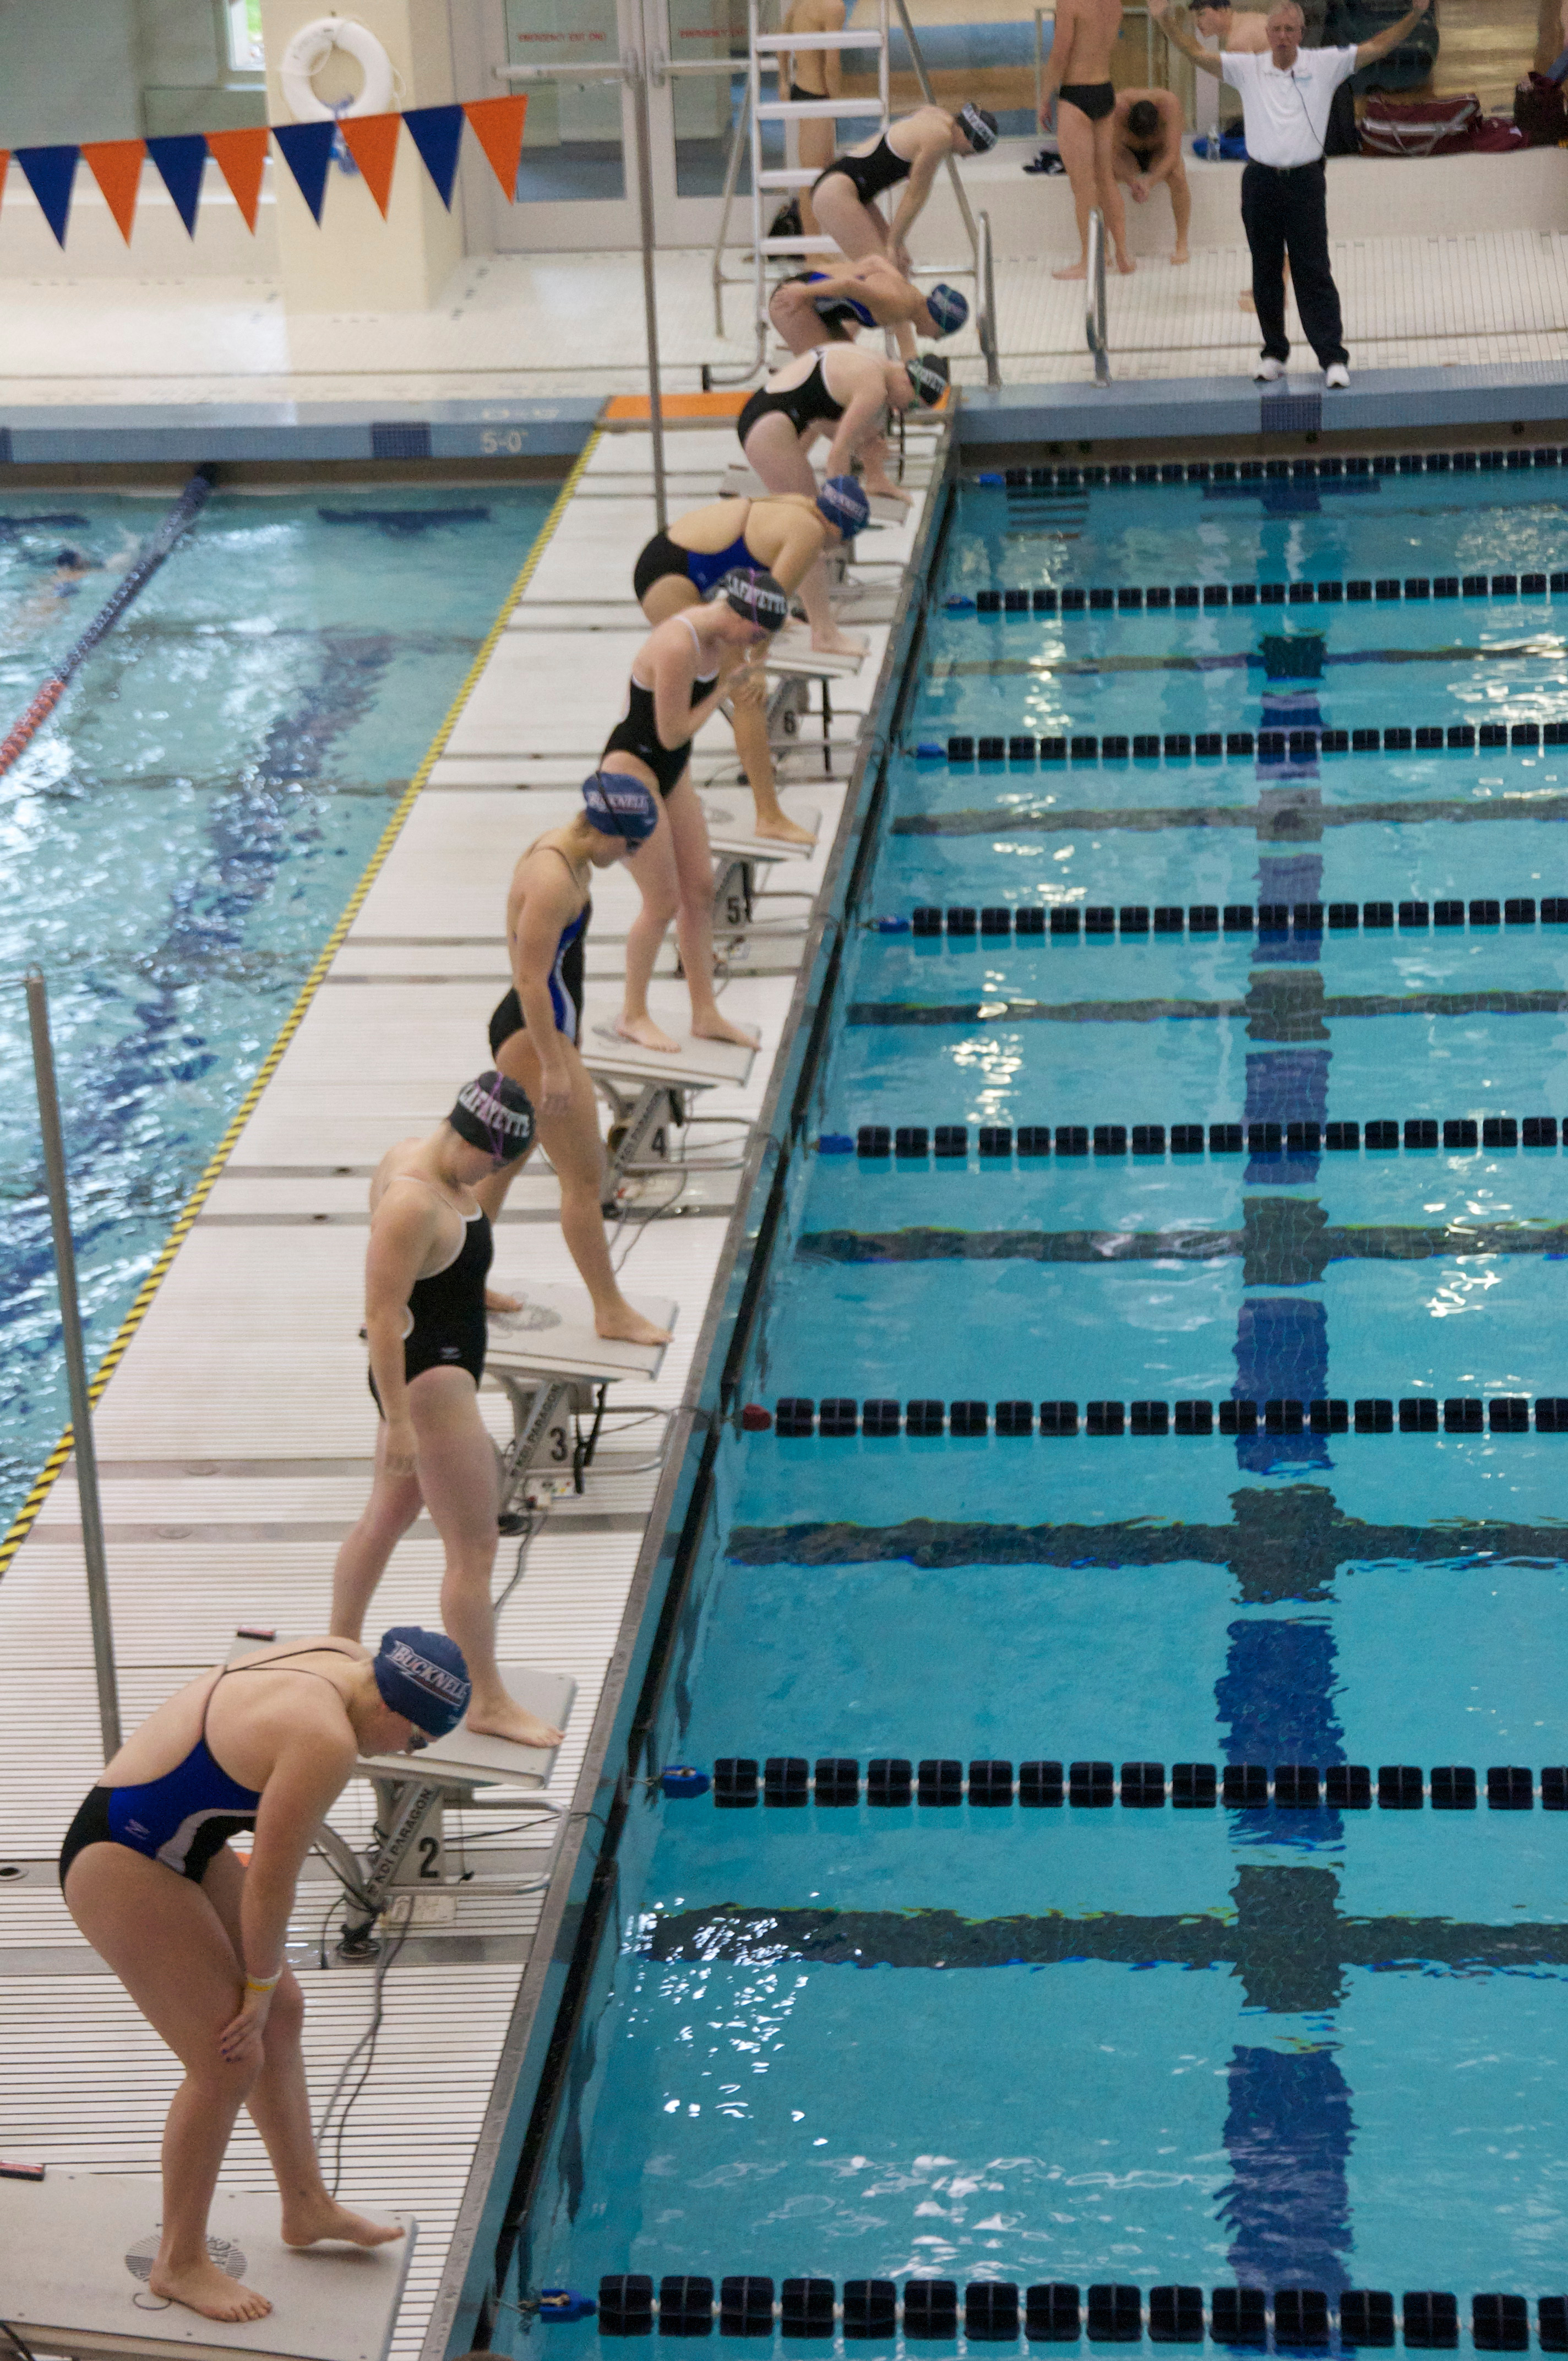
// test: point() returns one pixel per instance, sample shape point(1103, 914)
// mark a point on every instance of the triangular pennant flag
point(497, 125)
point(372, 141)
point(50, 173)
point(5, 161)
point(307, 151)
point(182, 161)
point(241, 158)
point(435, 132)
point(115, 165)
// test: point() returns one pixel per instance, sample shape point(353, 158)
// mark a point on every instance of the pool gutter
point(532, 2072)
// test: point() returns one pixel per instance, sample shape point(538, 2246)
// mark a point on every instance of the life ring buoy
point(309, 51)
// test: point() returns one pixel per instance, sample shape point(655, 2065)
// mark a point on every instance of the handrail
point(1094, 299)
point(589, 70)
point(985, 306)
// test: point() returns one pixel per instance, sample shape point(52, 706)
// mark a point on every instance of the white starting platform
point(739, 852)
point(647, 1092)
point(78, 2249)
point(556, 1371)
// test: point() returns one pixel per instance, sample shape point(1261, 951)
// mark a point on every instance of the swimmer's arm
point(1182, 37)
point(1062, 50)
point(402, 1231)
point(309, 1775)
point(832, 21)
point(1171, 123)
point(801, 543)
point(858, 425)
point(676, 719)
point(532, 953)
point(916, 188)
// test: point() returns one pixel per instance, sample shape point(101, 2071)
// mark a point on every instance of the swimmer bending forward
point(197, 1938)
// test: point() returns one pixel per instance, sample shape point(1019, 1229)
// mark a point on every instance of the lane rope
point(27, 1516)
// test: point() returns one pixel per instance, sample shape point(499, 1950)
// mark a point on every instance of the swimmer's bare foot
point(779, 830)
point(719, 1028)
point(887, 490)
point(202, 2287)
point(646, 1034)
point(1075, 271)
point(1125, 264)
point(628, 1327)
point(1180, 256)
point(508, 1719)
point(323, 2217)
point(836, 643)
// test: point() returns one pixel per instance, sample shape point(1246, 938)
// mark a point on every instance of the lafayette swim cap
point(979, 124)
point(948, 308)
point(843, 502)
point(422, 1675)
point(928, 373)
point(496, 1115)
point(755, 596)
point(618, 804)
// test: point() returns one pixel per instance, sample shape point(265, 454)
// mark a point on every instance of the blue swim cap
point(495, 1114)
point(618, 804)
point(839, 307)
point(755, 595)
point(843, 502)
point(422, 1675)
point(948, 308)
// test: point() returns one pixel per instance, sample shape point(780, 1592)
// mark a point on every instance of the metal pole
point(75, 1366)
point(638, 79)
point(929, 95)
point(988, 338)
point(1094, 299)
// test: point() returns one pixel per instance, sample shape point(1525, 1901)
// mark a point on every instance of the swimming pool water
point(1320, 2049)
point(177, 840)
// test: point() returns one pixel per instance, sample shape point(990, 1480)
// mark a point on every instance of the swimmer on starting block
point(785, 534)
point(834, 384)
point(680, 677)
point(197, 1938)
point(535, 1030)
point(871, 293)
point(425, 1300)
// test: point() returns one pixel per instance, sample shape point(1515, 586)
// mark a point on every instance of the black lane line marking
point(1282, 1006)
point(1288, 1542)
point(1151, 818)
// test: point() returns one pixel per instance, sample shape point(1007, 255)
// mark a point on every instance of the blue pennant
point(307, 151)
point(437, 132)
point(180, 160)
point(50, 173)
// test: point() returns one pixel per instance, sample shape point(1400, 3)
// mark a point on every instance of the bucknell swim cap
point(422, 1675)
point(496, 1115)
point(928, 373)
point(843, 502)
point(755, 596)
point(618, 804)
point(979, 124)
point(948, 310)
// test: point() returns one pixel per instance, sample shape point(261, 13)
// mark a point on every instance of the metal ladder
point(767, 183)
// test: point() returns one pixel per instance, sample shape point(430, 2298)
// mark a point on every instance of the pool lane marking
point(1299, 1015)
point(27, 1516)
point(1002, 820)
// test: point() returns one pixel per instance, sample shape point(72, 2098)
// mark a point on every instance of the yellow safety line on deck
point(27, 1513)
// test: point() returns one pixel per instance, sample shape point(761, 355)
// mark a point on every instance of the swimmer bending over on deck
point(873, 293)
point(196, 1937)
point(1147, 126)
point(1080, 72)
point(909, 150)
point(535, 1030)
point(680, 677)
point(425, 1300)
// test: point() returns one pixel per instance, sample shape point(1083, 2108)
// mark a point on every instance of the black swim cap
point(979, 126)
point(756, 597)
point(928, 373)
point(495, 1114)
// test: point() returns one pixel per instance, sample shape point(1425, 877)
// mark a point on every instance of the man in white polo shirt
point(1286, 96)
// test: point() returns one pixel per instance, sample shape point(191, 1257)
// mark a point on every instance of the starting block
point(555, 1370)
point(647, 1092)
point(79, 2248)
point(739, 852)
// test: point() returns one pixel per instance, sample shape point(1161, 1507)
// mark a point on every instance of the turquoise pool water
point(179, 838)
point(1104, 2046)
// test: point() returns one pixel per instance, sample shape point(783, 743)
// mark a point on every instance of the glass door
point(576, 181)
point(697, 52)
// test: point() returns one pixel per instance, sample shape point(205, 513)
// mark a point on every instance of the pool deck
point(235, 1438)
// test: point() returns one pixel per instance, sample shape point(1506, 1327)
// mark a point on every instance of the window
point(242, 28)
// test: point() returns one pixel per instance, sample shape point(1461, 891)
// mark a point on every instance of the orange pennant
point(497, 125)
point(5, 161)
point(372, 141)
point(116, 165)
point(241, 158)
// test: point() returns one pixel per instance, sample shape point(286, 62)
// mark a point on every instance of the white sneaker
point(1336, 376)
point(1269, 370)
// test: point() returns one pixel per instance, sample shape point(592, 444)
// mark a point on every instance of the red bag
point(1419, 127)
point(1495, 136)
point(1540, 111)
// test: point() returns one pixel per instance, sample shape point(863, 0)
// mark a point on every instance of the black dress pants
point(1288, 212)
